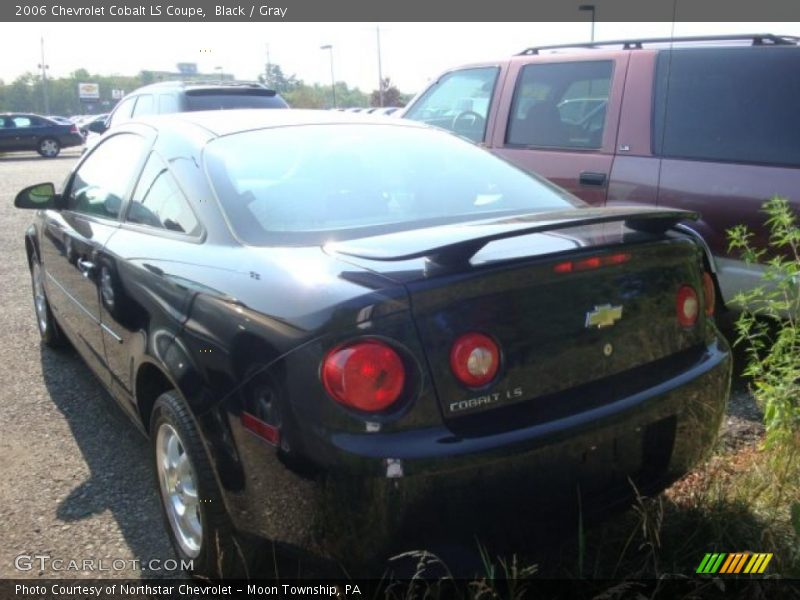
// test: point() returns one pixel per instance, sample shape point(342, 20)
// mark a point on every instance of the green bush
point(768, 325)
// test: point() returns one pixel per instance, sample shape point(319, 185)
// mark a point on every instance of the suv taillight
point(709, 294)
point(366, 375)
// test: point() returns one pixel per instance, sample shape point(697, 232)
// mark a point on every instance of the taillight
point(475, 359)
point(73, 129)
point(366, 375)
point(709, 294)
point(593, 262)
point(687, 306)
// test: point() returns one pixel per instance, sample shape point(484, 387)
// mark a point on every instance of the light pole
point(380, 71)
point(589, 8)
point(43, 66)
point(329, 47)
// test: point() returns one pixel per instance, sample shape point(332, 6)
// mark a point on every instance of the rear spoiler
point(451, 245)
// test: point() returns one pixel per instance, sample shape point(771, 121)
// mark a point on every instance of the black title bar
point(392, 10)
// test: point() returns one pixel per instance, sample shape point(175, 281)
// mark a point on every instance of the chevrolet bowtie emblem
point(604, 315)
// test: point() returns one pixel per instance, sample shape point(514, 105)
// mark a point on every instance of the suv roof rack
point(757, 39)
point(207, 82)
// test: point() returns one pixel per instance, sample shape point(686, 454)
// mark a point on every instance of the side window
point(168, 103)
point(459, 101)
point(101, 182)
point(560, 105)
point(158, 201)
point(144, 106)
point(22, 122)
point(123, 111)
point(728, 104)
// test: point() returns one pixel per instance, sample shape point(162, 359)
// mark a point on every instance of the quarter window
point(560, 105)
point(728, 104)
point(168, 103)
point(158, 201)
point(102, 181)
point(459, 102)
point(123, 111)
point(144, 106)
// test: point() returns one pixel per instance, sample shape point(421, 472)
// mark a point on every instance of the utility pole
point(268, 74)
point(329, 47)
point(43, 66)
point(380, 71)
point(589, 8)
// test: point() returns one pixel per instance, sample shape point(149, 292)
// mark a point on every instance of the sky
point(411, 53)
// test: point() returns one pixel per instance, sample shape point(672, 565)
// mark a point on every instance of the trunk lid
point(557, 330)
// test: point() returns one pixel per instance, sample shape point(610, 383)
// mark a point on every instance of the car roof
point(226, 122)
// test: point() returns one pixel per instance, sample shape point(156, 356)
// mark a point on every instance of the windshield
point(311, 184)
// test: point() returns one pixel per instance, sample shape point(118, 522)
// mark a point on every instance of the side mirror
point(41, 196)
point(97, 126)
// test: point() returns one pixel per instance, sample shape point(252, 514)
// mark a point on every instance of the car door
point(559, 119)
point(74, 239)
point(142, 297)
point(8, 134)
point(26, 131)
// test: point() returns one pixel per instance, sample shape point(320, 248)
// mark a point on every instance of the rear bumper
point(391, 489)
point(72, 139)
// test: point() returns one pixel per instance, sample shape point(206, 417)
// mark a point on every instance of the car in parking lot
point(23, 131)
point(188, 96)
point(707, 124)
point(347, 333)
point(94, 124)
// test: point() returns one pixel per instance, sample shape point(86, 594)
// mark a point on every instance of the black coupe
point(20, 132)
point(349, 334)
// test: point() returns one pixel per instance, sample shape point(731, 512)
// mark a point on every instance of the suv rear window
point(216, 99)
point(728, 104)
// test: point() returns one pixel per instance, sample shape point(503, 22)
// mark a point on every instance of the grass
point(739, 500)
point(742, 499)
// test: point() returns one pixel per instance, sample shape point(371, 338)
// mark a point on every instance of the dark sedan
point(20, 132)
point(351, 334)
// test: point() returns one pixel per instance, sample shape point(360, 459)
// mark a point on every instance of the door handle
point(589, 178)
point(86, 267)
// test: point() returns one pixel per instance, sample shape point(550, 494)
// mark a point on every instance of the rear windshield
point(312, 184)
point(226, 99)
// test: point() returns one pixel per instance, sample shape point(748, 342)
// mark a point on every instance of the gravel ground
point(77, 476)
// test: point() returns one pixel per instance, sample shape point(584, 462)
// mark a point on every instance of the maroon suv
point(708, 124)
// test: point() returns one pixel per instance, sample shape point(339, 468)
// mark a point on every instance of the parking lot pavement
point(76, 475)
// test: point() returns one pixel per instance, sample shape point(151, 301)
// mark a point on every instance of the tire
point(49, 330)
point(48, 147)
point(207, 537)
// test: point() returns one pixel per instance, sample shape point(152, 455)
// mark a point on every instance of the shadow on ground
point(121, 479)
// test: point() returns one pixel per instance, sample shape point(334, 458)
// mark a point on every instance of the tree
point(278, 81)
point(391, 95)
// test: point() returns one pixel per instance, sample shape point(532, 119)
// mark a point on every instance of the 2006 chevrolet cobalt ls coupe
point(345, 334)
